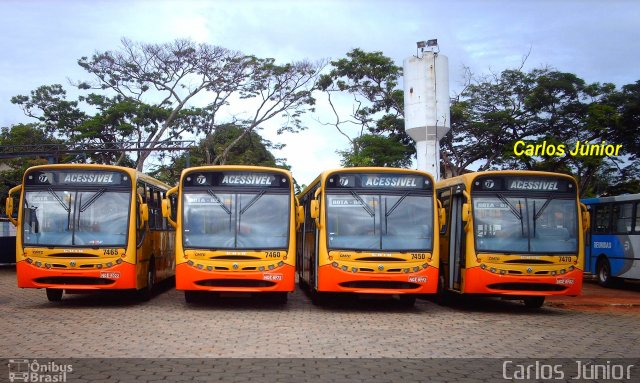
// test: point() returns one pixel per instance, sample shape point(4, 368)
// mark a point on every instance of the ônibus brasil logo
point(25, 370)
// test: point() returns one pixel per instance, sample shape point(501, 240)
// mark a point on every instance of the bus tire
point(147, 292)
point(533, 302)
point(441, 296)
point(603, 272)
point(54, 295)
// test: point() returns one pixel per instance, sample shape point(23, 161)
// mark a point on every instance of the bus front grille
point(380, 285)
point(71, 281)
point(235, 283)
point(527, 287)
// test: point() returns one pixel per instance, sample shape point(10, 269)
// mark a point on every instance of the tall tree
point(171, 75)
point(371, 79)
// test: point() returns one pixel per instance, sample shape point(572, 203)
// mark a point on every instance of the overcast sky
point(41, 41)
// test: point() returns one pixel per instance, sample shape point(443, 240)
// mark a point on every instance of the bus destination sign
point(523, 183)
point(237, 179)
point(378, 181)
point(77, 178)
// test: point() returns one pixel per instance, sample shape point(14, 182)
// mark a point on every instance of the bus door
point(456, 241)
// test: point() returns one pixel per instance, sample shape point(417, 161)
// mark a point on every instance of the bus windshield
point(223, 220)
point(512, 224)
point(76, 218)
point(385, 222)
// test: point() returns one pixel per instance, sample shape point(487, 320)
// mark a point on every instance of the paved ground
point(115, 325)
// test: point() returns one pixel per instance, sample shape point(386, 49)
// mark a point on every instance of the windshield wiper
point(219, 201)
point(92, 200)
point(514, 211)
point(537, 214)
point(253, 200)
point(364, 205)
point(60, 201)
point(395, 205)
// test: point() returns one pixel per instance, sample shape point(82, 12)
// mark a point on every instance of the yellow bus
point(235, 231)
point(514, 234)
point(369, 230)
point(90, 227)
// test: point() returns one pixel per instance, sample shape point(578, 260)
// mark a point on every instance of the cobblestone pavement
point(116, 325)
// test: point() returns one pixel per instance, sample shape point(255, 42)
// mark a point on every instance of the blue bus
point(612, 249)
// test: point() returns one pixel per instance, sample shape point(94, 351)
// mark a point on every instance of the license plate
point(272, 277)
point(565, 281)
point(418, 279)
point(111, 275)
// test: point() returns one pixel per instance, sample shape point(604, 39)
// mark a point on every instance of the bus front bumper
point(280, 279)
point(119, 276)
point(479, 281)
point(334, 279)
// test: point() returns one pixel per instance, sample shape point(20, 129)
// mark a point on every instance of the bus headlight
point(571, 268)
point(483, 266)
point(334, 264)
point(493, 270)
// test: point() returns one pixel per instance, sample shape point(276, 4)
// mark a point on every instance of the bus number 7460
point(273, 254)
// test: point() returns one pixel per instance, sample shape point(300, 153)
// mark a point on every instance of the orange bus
point(369, 230)
point(90, 227)
point(513, 234)
point(235, 231)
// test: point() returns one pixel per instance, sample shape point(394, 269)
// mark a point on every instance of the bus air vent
point(530, 261)
point(394, 270)
point(527, 287)
point(380, 285)
point(381, 259)
point(74, 281)
point(366, 269)
point(235, 283)
point(235, 257)
point(73, 255)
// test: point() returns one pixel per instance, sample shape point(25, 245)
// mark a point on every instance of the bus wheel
point(54, 295)
point(442, 296)
point(534, 302)
point(407, 300)
point(147, 292)
point(603, 269)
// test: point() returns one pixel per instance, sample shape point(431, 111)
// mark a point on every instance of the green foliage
point(11, 170)
point(251, 149)
point(372, 79)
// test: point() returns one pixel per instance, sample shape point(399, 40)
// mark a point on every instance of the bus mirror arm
point(9, 204)
point(586, 217)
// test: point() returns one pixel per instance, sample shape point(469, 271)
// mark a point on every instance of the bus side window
point(601, 219)
point(622, 214)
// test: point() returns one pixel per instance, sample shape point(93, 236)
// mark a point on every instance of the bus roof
point(616, 198)
point(364, 169)
point(467, 178)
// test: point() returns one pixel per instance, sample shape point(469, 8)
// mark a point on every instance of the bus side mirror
point(9, 204)
point(441, 215)
point(144, 212)
point(586, 217)
point(315, 209)
point(166, 206)
point(9, 210)
point(465, 212)
point(442, 218)
point(299, 216)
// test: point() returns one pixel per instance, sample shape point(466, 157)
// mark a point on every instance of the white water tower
point(426, 103)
